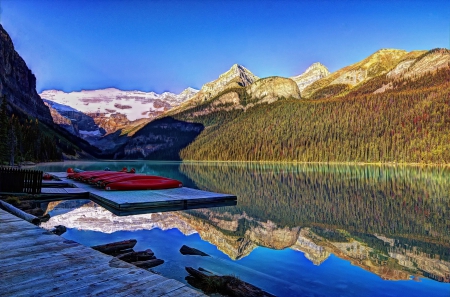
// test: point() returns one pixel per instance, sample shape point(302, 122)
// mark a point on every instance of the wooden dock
point(133, 202)
point(35, 262)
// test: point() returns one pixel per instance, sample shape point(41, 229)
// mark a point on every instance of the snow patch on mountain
point(134, 104)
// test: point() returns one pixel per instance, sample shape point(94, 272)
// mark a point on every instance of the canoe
point(77, 174)
point(102, 183)
point(80, 175)
point(100, 177)
point(144, 184)
point(88, 177)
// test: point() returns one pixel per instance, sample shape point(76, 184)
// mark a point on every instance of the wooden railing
point(14, 180)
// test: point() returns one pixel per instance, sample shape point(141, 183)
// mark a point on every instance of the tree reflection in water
point(392, 216)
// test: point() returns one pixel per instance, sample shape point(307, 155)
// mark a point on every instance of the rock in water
point(185, 250)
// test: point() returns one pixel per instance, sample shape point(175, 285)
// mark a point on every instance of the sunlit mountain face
point(387, 221)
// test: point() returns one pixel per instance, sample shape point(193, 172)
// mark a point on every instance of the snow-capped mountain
point(133, 104)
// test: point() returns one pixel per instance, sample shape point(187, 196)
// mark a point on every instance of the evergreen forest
point(407, 123)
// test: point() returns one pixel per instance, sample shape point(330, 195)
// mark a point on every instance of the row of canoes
point(120, 180)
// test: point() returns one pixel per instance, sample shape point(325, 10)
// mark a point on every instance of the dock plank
point(19, 251)
point(182, 292)
point(159, 289)
point(38, 263)
point(105, 278)
point(38, 280)
point(46, 259)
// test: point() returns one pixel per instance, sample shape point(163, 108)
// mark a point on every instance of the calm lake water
point(298, 230)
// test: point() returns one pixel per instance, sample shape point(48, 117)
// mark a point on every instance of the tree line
point(24, 140)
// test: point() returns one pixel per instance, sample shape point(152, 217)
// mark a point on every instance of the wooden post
point(18, 213)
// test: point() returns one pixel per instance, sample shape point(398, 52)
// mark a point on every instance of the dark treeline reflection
point(410, 204)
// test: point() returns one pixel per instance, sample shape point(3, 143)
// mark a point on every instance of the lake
point(297, 230)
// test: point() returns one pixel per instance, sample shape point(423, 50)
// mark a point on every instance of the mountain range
point(389, 107)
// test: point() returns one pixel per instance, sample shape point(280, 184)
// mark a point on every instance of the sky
point(168, 45)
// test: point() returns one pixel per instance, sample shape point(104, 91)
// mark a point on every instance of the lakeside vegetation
point(23, 139)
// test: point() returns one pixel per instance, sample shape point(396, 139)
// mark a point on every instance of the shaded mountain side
point(73, 120)
point(18, 83)
point(161, 139)
point(18, 87)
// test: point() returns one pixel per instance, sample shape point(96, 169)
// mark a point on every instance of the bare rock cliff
point(18, 83)
point(314, 72)
point(271, 89)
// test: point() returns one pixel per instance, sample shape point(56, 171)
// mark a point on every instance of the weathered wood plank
point(32, 241)
point(37, 263)
point(112, 286)
point(38, 279)
point(32, 250)
point(36, 273)
point(183, 291)
point(44, 259)
point(136, 287)
point(12, 233)
point(157, 290)
point(107, 277)
point(7, 216)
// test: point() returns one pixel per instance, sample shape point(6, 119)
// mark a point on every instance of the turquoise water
point(298, 230)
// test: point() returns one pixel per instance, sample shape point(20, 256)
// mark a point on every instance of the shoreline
point(379, 164)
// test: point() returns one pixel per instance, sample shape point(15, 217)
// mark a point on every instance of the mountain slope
point(313, 73)
point(32, 133)
point(400, 118)
point(166, 137)
point(236, 77)
point(18, 83)
point(348, 77)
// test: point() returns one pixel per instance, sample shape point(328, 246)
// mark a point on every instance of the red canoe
point(100, 177)
point(85, 174)
point(102, 183)
point(89, 177)
point(145, 184)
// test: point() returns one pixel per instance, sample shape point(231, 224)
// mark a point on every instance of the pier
point(36, 262)
point(136, 202)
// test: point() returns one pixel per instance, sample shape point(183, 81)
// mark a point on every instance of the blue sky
point(171, 45)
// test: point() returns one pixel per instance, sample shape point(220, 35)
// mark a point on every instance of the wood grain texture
point(35, 262)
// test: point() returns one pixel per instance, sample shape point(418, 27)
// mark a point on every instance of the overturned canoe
point(144, 184)
point(114, 179)
point(102, 177)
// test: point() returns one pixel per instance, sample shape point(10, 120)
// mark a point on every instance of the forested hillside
point(408, 122)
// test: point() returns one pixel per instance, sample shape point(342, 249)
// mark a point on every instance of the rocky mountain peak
point(313, 73)
point(239, 72)
point(189, 92)
point(236, 76)
point(318, 67)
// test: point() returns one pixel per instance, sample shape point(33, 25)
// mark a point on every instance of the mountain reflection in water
point(392, 221)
